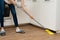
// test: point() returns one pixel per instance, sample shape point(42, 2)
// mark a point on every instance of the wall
point(45, 13)
point(58, 16)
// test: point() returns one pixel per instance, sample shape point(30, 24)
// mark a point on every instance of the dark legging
point(2, 13)
point(13, 11)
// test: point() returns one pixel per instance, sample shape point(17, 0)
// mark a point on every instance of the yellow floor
point(32, 33)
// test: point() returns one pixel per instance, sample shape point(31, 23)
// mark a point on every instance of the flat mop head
point(49, 32)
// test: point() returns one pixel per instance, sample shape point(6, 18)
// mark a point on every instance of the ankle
point(2, 29)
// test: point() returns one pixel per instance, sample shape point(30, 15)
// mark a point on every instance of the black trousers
point(1, 13)
point(13, 11)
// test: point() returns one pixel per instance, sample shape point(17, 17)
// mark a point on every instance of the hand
point(14, 3)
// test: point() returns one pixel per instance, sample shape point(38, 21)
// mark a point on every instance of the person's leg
point(1, 20)
point(13, 11)
point(12, 8)
point(2, 16)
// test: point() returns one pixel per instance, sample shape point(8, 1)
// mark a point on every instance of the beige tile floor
point(32, 33)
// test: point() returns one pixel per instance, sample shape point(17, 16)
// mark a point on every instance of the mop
point(50, 32)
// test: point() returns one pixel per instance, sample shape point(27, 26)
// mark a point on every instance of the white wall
point(45, 12)
point(58, 15)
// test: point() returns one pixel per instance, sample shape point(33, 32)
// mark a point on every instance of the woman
point(11, 5)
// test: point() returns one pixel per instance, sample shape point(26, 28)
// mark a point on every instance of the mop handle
point(34, 19)
point(28, 13)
